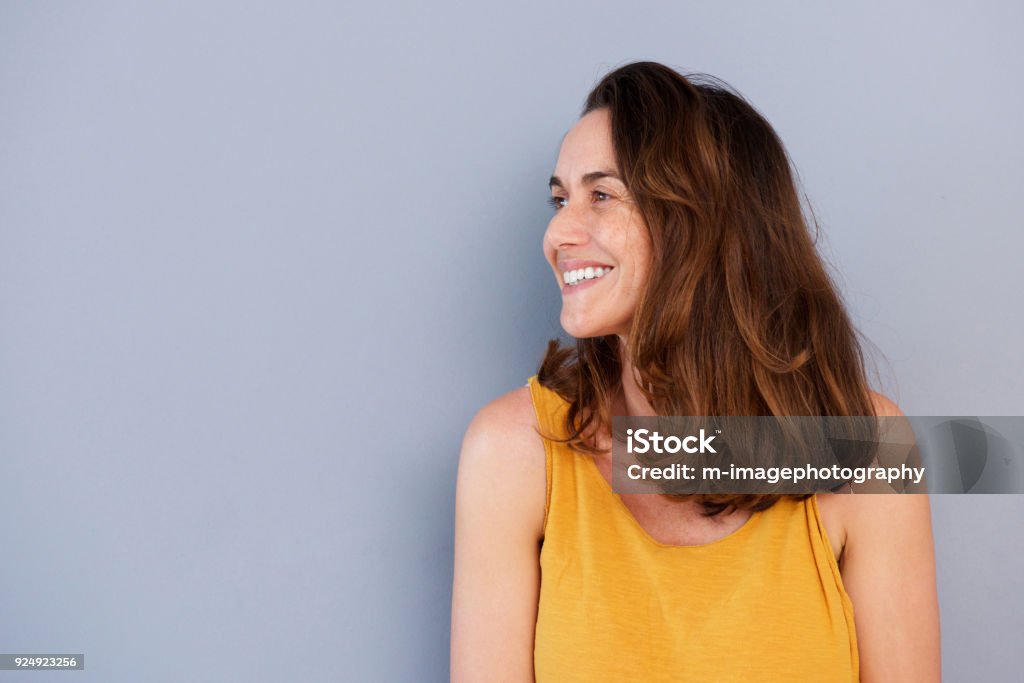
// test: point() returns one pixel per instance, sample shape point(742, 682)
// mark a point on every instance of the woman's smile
point(577, 274)
point(576, 280)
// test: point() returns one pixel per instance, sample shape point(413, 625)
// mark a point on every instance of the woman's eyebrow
point(588, 178)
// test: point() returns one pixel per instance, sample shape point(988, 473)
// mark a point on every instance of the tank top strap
point(550, 409)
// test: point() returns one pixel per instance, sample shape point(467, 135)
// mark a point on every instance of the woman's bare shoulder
point(840, 511)
point(884, 406)
point(502, 460)
point(509, 420)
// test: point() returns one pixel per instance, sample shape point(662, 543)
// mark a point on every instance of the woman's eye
point(559, 202)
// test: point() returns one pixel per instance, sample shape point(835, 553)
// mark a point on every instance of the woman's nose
point(566, 229)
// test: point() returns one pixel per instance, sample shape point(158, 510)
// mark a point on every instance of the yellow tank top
point(765, 603)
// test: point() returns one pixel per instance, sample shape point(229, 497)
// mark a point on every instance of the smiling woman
point(691, 283)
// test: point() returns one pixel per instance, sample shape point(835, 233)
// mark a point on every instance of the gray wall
point(260, 264)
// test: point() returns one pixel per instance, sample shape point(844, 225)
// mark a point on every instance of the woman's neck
point(632, 401)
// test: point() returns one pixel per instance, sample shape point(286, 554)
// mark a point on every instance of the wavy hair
point(739, 315)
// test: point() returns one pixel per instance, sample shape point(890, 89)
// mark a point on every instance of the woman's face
point(597, 243)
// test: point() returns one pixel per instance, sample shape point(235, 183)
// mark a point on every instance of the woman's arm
point(888, 568)
point(499, 513)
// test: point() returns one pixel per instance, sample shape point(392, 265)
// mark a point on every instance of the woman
point(691, 283)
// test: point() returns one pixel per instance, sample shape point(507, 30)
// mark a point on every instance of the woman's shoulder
point(884, 406)
point(509, 416)
point(502, 462)
point(868, 516)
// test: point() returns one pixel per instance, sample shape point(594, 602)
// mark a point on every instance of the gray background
point(239, 242)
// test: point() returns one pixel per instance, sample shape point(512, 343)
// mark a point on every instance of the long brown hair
point(739, 315)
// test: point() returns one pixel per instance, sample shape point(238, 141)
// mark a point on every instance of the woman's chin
point(584, 329)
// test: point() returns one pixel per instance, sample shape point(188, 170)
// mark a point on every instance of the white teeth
point(573, 277)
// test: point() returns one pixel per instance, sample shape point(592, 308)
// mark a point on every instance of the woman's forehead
point(586, 148)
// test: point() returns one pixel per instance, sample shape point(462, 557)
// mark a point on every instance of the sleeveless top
point(765, 603)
